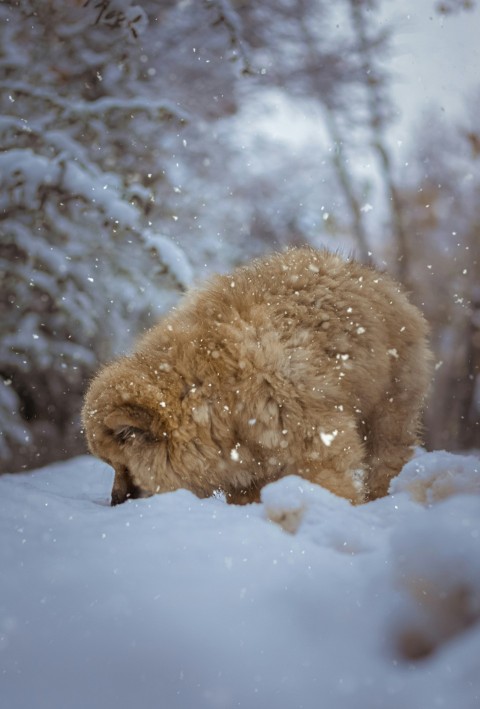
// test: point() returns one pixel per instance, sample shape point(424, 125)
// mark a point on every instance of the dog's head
point(136, 421)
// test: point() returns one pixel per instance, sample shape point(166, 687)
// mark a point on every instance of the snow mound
point(301, 601)
point(431, 477)
point(319, 515)
point(436, 567)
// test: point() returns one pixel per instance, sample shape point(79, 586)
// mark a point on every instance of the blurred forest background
point(146, 143)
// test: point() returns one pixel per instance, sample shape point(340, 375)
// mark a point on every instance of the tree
point(371, 48)
point(443, 221)
point(79, 262)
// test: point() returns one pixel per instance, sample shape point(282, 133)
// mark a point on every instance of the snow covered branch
point(226, 16)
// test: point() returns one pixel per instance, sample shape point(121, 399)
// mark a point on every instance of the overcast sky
point(437, 58)
point(436, 62)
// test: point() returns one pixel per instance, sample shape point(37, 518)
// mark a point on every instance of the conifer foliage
point(79, 262)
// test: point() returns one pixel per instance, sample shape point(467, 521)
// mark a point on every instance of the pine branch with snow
point(81, 268)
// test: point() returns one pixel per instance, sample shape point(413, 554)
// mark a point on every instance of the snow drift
point(299, 602)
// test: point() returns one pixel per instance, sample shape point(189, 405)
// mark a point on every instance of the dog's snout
point(124, 488)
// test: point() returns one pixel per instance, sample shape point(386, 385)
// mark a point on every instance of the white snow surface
point(173, 602)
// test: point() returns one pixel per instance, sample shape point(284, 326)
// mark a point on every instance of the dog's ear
point(129, 422)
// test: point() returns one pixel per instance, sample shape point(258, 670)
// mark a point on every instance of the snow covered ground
point(178, 603)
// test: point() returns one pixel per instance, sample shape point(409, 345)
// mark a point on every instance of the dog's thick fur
point(298, 363)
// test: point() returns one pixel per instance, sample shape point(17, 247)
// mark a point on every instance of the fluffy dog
point(298, 363)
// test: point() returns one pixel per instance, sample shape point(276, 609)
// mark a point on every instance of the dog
point(297, 363)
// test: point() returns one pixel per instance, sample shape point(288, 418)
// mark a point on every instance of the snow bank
point(300, 602)
point(435, 476)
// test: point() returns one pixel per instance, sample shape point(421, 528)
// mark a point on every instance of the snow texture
point(172, 256)
point(433, 477)
point(299, 602)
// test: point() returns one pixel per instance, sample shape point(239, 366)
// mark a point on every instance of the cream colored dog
point(297, 363)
